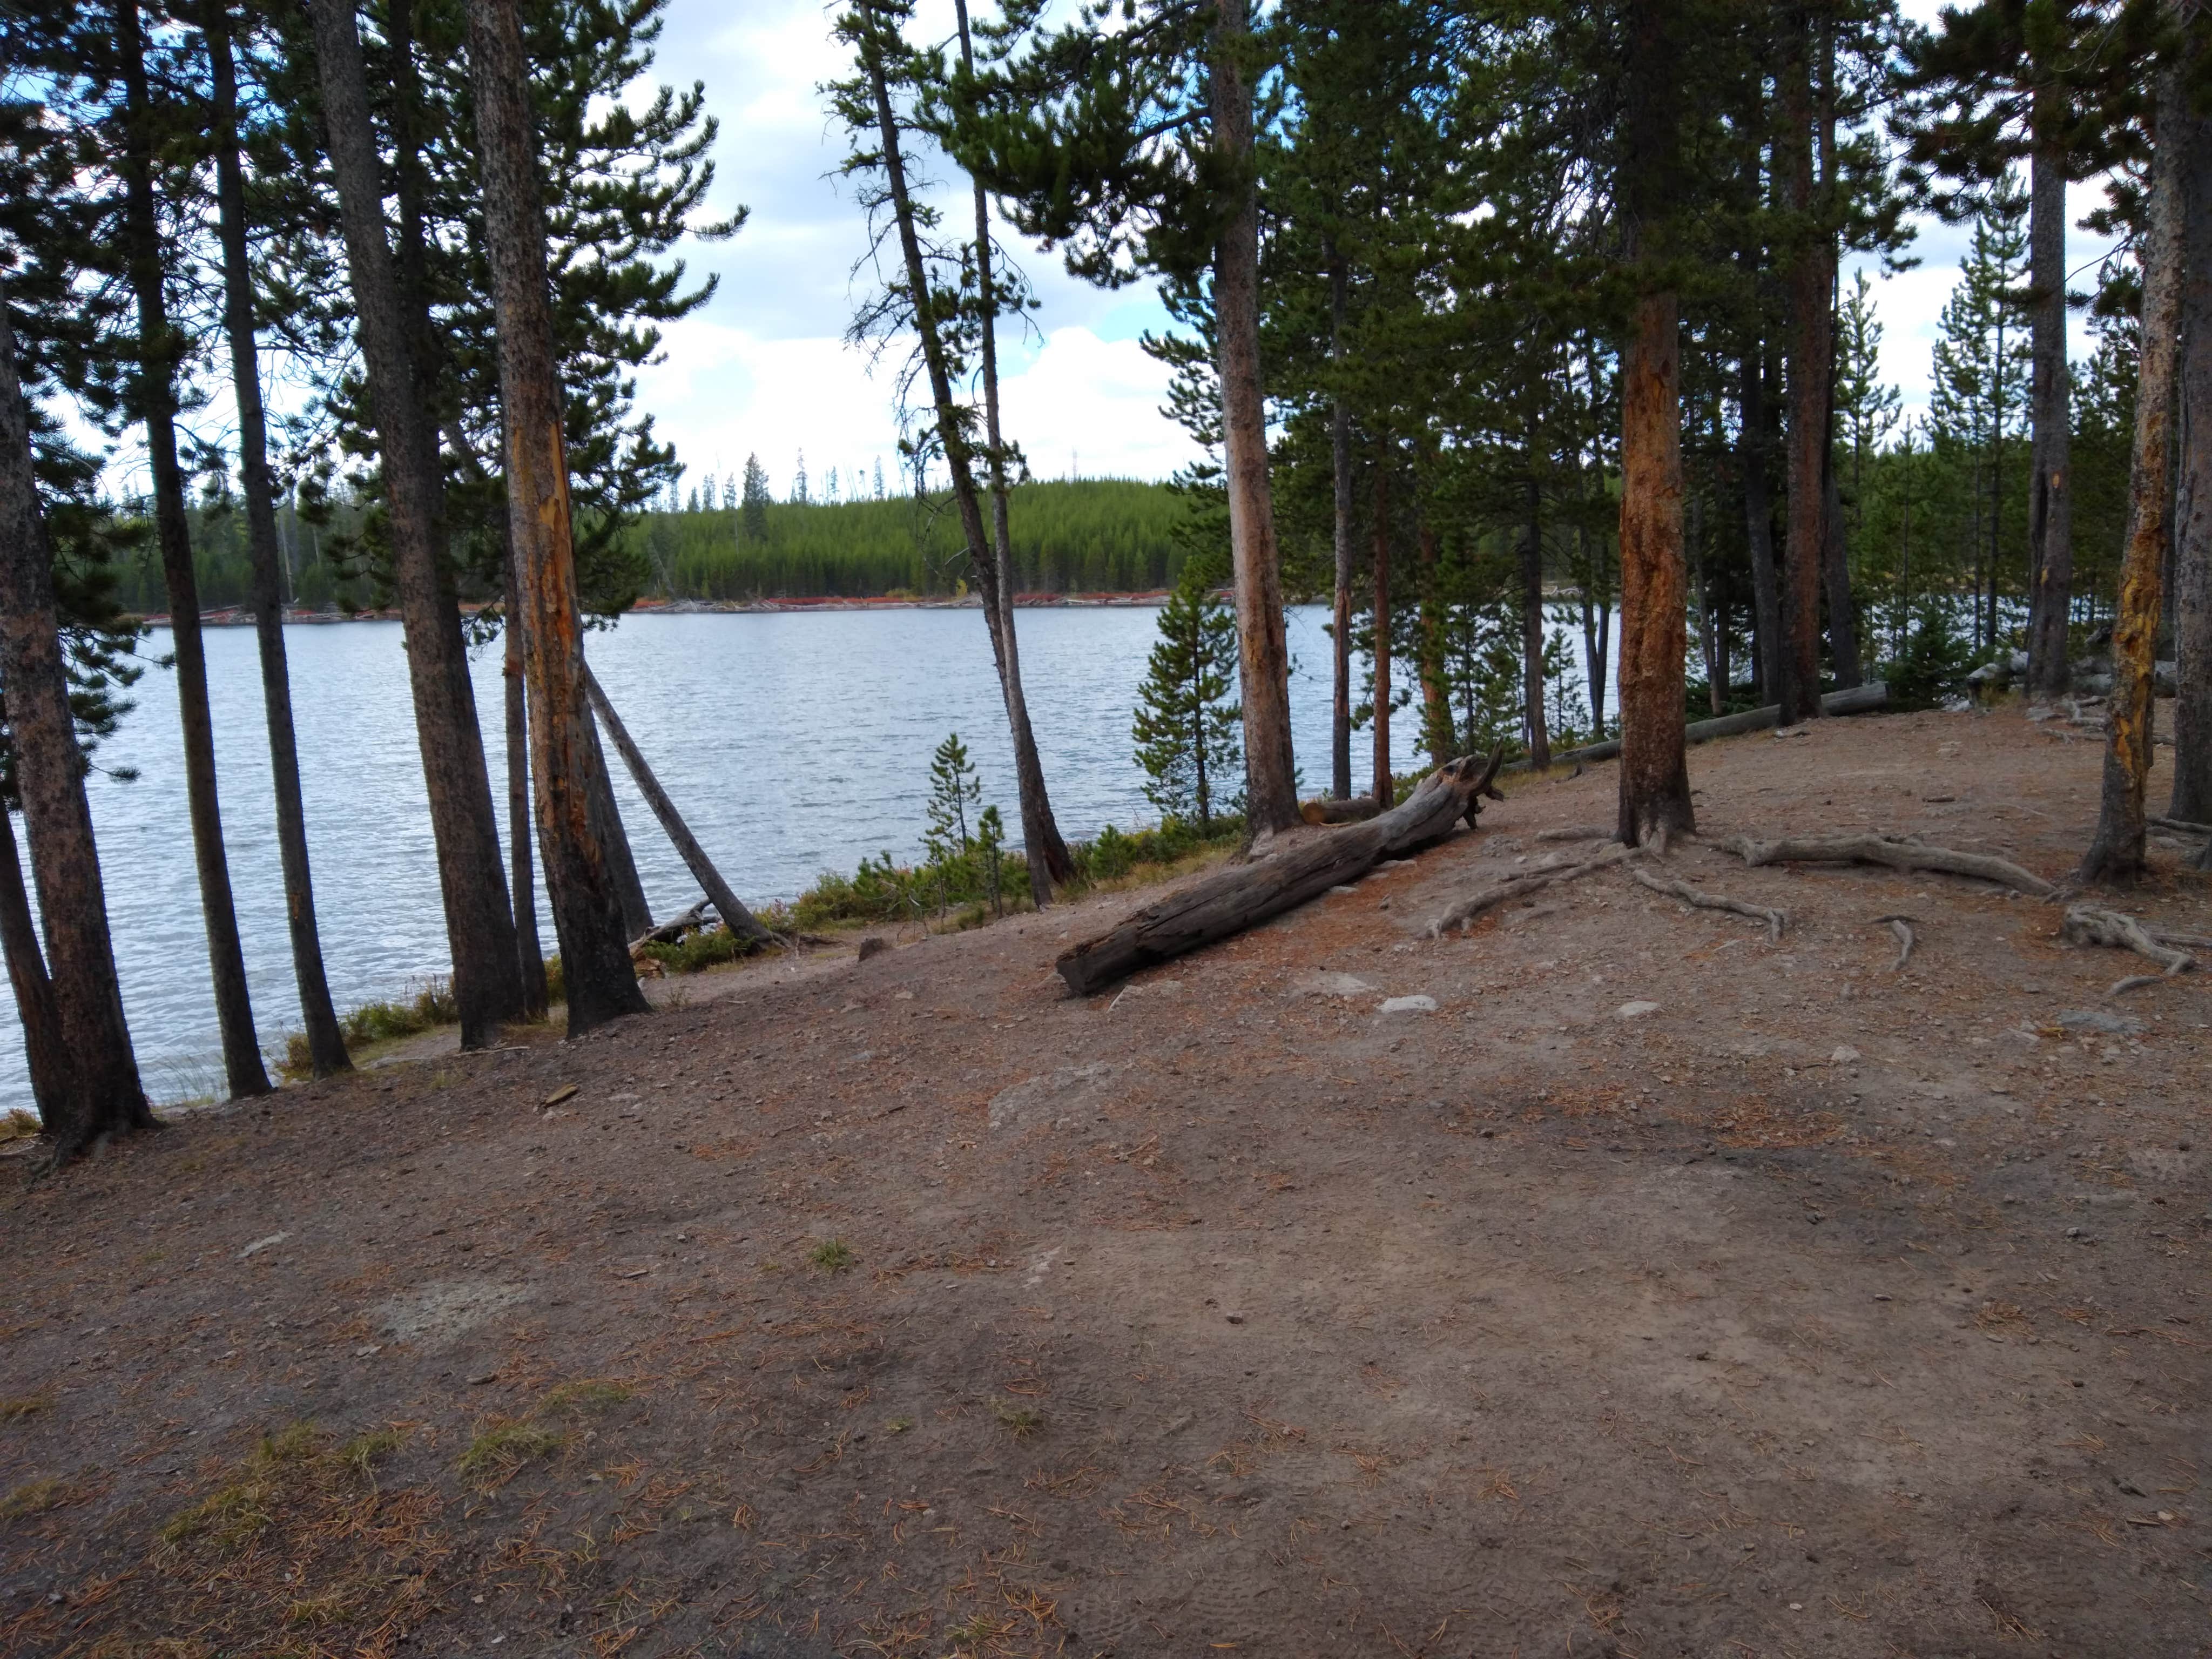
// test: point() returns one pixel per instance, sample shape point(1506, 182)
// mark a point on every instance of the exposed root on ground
point(2086, 923)
point(1902, 926)
point(1775, 920)
point(1897, 854)
point(1578, 832)
point(1462, 911)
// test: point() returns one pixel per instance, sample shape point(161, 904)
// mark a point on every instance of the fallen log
point(735, 917)
point(1897, 855)
point(2086, 923)
point(1852, 700)
point(1775, 920)
point(1463, 910)
point(1357, 810)
point(1225, 903)
point(672, 931)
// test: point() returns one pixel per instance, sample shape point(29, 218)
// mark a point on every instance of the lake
point(794, 743)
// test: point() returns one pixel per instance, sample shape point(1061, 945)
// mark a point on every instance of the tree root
point(1579, 832)
point(1463, 911)
point(1897, 855)
point(2181, 826)
point(1689, 895)
point(1902, 926)
point(2087, 925)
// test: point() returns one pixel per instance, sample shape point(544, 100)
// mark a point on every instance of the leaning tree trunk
point(326, 1050)
point(479, 926)
point(156, 396)
point(2117, 852)
point(1340, 462)
point(106, 1096)
point(1271, 795)
point(2050, 498)
point(587, 913)
point(1532, 618)
point(1046, 852)
point(2192, 530)
point(1811, 282)
point(522, 883)
point(46, 1050)
point(1379, 648)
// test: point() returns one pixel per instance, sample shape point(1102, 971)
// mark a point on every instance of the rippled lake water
point(793, 743)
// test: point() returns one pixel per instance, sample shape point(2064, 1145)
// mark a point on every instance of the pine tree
point(953, 788)
point(1186, 727)
point(754, 502)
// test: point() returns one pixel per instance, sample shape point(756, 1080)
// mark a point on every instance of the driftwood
point(1462, 911)
point(1897, 855)
point(1225, 903)
point(2086, 923)
point(1852, 700)
point(1774, 920)
point(735, 917)
point(1357, 810)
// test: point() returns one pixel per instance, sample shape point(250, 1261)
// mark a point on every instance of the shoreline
point(242, 616)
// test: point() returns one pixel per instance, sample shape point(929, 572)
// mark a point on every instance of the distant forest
point(1085, 536)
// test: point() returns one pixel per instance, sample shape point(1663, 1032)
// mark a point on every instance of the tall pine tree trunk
point(1437, 734)
point(1271, 797)
point(2117, 852)
point(46, 1050)
point(1532, 616)
point(2050, 491)
point(1379, 652)
point(1758, 521)
point(155, 396)
point(479, 926)
point(1811, 284)
point(522, 882)
point(1836, 567)
point(587, 912)
point(326, 1051)
point(1046, 852)
point(1339, 458)
point(2192, 528)
point(105, 1096)
point(1655, 777)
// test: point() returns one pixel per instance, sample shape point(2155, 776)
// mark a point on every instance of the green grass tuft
point(1020, 1421)
point(587, 1394)
point(832, 1256)
point(26, 1405)
point(498, 1451)
point(32, 1497)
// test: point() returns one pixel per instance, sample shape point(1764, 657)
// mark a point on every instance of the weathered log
point(1356, 809)
point(1852, 700)
point(1220, 905)
point(1775, 920)
point(1897, 855)
point(1491, 895)
point(735, 917)
point(2086, 923)
point(671, 931)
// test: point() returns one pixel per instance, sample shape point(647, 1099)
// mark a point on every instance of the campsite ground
point(909, 1307)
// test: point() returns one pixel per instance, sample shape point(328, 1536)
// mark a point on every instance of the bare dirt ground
point(909, 1308)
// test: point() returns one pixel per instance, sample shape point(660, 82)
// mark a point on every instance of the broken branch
point(2086, 923)
point(1902, 926)
point(1464, 910)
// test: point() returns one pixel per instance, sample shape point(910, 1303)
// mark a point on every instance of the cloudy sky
point(763, 368)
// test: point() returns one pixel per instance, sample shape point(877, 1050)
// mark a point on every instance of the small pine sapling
point(991, 840)
point(1188, 733)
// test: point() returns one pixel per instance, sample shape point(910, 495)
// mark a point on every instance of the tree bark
point(1655, 774)
point(1379, 652)
point(1271, 797)
point(564, 764)
point(1758, 522)
point(1437, 736)
point(46, 1050)
point(613, 837)
point(1226, 901)
point(1811, 282)
point(741, 922)
point(479, 924)
point(1532, 618)
point(522, 884)
point(2192, 531)
point(326, 1050)
point(155, 397)
point(1836, 567)
point(2115, 853)
point(2050, 500)
point(1339, 456)
point(105, 1096)
point(1046, 853)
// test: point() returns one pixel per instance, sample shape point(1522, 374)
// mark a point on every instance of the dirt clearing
point(1612, 1279)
